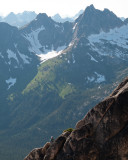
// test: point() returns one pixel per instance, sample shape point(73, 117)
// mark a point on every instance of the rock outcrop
point(101, 135)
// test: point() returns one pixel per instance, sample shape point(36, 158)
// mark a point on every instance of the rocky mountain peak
point(41, 20)
point(90, 8)
point(101, 134)
point(11, 14)
point(56, 16)
point(92, 21)
point(42, 16)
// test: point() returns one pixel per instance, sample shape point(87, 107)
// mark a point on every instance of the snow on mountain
point(100, 78)
point(11, 82)
point(71, 44)
point(34, 40)
point(48, 54)
point(97, 78)
point(92, 58)
point(49, 43)
point(74, 27)
point(73, 58)
point(118, 38)
point(12, 55)
point(90, 79)
point(25, 58)
point(57, 26)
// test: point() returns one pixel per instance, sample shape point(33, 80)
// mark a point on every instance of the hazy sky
point(63, 7)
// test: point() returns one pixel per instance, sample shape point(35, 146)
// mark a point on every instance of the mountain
point(80, 63)
point(17, 66)
point(19, 19)
point(15, 58)
point(101, 134)
point(45, 35)
point(58, 18)
point(20, 47)
point(78, 14)
point(93, 21)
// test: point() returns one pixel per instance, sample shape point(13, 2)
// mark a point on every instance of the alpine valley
point(52, 73)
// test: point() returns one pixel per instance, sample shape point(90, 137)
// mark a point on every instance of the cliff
point(101, 135)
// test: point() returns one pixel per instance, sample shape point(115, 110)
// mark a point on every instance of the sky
point(63, 7)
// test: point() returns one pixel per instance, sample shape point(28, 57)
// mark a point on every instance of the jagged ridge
point(101, 134)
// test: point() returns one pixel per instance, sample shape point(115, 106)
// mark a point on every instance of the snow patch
point(68, 62)
point(90, 79)
point(25, 58)
point(71, 44)
point(34, 41)
point(92, 58)
point(73, 58)
point(117, 37)
point(97, 79)
point(100, 78)
point(11, 81)
point(57, 26)
point(11, 54)
point(74, 27)
point(35, 46)
point(51, 53)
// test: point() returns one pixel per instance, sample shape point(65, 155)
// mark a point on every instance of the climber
point(52, 139)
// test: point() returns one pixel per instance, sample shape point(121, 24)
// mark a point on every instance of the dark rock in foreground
point(101, 135)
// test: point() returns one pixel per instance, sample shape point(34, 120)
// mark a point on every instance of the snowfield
point(36, 47)
point(34, 41)
point(11, 81)
point(48, 54)
point(116, 38)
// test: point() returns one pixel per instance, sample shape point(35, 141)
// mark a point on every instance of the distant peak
point(11, 14)
point(91, 7)
point(57, 16)
point(42, 16)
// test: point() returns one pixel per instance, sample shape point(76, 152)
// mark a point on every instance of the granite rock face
point(38, 153)
point(101, 135)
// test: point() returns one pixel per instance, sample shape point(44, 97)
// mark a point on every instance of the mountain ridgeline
point(19, 19)
point(52, 73)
